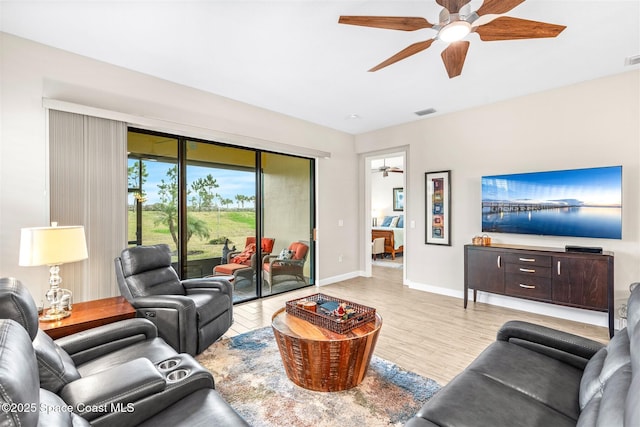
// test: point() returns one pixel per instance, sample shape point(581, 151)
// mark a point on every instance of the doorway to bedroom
point(387, 195)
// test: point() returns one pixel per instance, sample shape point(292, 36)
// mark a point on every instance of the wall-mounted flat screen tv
point(577, 202)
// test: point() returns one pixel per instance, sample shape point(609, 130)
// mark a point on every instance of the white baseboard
point(339, 278)
point(576, 314)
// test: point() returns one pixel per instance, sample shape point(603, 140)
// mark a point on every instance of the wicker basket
point(363, 314)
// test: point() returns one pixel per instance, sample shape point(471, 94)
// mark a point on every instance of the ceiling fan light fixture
point(454, 31)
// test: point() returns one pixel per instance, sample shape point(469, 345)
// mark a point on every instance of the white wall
point(591, 124)
point(382, 194)
point(595, 123)
point(30, 71)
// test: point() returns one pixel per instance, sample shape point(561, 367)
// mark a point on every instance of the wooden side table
point(318, 359)
point(89, 314)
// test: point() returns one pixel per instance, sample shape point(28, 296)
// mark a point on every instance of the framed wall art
point(398, 199)
point(438, 208)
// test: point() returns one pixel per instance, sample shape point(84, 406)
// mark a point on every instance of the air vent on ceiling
point(425, 112)
point(632, 60)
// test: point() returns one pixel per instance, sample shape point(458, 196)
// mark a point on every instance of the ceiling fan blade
point(497, 7)
point(453, 57)
point(453, 6)
point(404, 53)
point(388, 22)
point(507, 28)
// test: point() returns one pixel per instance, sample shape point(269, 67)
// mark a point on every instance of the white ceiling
point(294, 58)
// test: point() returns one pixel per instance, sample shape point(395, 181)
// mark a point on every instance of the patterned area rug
point(249, 374)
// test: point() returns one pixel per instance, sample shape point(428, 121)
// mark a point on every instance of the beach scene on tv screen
point(577, 202)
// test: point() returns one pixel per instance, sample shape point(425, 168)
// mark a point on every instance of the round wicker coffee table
point(318, 359)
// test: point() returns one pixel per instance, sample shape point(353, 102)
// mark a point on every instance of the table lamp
point(53, 246)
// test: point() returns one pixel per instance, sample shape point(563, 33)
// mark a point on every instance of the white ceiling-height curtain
point(88, 182)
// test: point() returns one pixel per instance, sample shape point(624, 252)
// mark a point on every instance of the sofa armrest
point(113, 390)
point(175, 317)
point(554, 343)
point(176, 302)
point(113, 335)
point(208, 284)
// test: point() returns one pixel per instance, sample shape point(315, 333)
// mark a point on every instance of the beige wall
point(382, 193)
point(591, 124)
point(30, 71)
point(595, 123)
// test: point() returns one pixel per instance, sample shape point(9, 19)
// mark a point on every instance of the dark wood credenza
point(573, 279)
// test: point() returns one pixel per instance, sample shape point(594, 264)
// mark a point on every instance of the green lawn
point(232, 224)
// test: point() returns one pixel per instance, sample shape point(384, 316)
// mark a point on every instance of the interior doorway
point(386, 174)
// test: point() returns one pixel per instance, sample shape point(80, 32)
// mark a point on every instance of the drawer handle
point(527, 286)
point(527, 259)
point(527, 270)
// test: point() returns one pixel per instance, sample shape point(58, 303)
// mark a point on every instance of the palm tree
point(196, 226)
point(168, 192)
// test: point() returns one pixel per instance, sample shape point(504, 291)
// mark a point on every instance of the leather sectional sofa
point(537, 376)
point(118, 374)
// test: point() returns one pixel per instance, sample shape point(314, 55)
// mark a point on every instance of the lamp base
point(53, 315)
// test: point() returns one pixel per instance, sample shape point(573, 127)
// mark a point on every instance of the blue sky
point(592, 186)
point(231, 182)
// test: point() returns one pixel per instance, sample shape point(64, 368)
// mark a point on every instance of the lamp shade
point(52, 245)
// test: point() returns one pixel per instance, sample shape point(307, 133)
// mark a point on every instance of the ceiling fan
point(456, 22)
point(386, 169)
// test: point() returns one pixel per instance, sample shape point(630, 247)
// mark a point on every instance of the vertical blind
point(88, 181)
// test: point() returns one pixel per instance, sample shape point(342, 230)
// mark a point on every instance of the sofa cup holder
point(168, 364)
point(177, 375)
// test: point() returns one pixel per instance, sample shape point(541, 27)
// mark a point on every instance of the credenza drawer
point(528, 270)
point(528, 286)
point(528, 259)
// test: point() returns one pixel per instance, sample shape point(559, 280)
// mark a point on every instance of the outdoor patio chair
point(289, 262)
point(243, 264)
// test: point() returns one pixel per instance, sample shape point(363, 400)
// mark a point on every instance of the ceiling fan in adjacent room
point(386, 169)
point(455, 23)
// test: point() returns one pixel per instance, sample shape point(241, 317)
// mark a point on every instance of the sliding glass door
point(288, 209)
point(152, 190)
point(211, 203)
point(221, 213)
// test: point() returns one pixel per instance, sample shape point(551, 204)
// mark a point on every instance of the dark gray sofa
point(537, 376)
point(118, 374)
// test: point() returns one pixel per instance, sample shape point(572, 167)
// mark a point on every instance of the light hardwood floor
point(423, 332)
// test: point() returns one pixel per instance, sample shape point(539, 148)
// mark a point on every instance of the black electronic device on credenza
point(583, 249)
